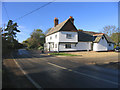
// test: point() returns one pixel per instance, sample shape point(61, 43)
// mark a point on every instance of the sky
point(89, 16)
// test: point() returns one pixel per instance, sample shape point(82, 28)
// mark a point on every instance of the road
point(58, 72)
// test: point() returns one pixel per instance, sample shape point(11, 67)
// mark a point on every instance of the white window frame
point(67, 46)
point(50, 37)
point(69, 36)
point(55, 45)
point(56, 36)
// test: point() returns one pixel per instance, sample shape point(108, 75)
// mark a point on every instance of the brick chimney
point(55, 22)
point(72, 19)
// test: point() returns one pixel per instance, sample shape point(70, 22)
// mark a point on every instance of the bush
point(40, 48)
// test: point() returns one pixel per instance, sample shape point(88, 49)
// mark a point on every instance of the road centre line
point(69, 70)
point(84, 74)
point(28, 77)
point(56, 65)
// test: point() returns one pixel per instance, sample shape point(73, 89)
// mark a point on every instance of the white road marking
point(28, 77)
point(56, 65)
point(69, 69)
point(84, 74)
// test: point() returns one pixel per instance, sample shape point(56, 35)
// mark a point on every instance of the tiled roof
point(90, 32)
point(57, 28)
point(97, 39)
point(61, 27)
point(84, 36)
point(99, 36)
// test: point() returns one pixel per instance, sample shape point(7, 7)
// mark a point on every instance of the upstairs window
point(50, 38)
point(67, 45)
point(55, 36)
point(69, 36)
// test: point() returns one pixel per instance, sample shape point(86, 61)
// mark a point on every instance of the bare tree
point(110, 29)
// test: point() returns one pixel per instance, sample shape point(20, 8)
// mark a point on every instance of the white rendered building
point(66, 37)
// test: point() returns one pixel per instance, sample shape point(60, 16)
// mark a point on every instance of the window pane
point(68, 36)
point(68, 46)
point(55, 36)
point(55, 45)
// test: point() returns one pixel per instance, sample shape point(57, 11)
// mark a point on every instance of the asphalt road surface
point(53, 72)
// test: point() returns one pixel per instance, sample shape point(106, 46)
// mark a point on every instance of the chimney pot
point(72, 19)
point(55, 21)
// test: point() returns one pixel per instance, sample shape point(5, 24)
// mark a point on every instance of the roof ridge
point(59, 26)
point(61, 23)
point(98, 34)
point(91, 32)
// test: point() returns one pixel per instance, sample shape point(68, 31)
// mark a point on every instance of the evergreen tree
point(11, 31)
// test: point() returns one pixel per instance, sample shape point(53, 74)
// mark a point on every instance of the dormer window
point(69, 36)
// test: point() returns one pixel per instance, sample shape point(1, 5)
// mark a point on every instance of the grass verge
point(62, 54)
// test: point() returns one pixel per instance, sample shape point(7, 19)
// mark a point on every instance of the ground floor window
point(67, 45)
point(55, 45)
point(75, 45)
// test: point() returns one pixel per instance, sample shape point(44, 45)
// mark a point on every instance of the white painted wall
point(62, 47)
point(52, 46)
point(54, 39)
point(101, 46)
point(83, 46)
point(62, 37)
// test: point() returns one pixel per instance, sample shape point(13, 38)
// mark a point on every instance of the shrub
point(40, 48)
